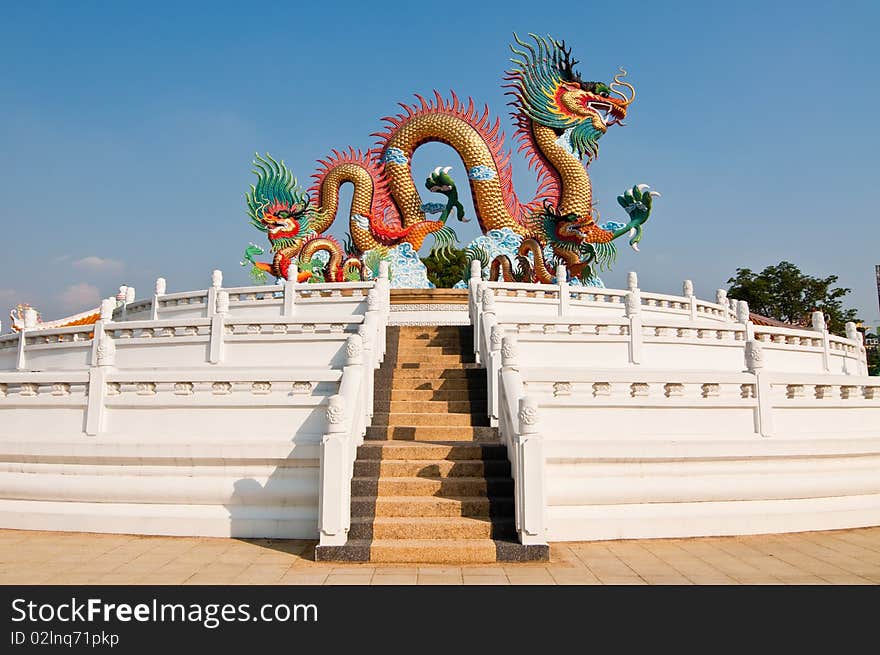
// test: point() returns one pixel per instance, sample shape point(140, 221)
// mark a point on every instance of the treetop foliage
point(785, 293)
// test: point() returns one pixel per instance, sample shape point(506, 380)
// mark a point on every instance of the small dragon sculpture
point(584, 247)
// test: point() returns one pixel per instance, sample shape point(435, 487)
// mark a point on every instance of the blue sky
point(127, 129)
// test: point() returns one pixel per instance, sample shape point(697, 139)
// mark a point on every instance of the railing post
point(30, 322)
point(353, 376)
point(562, 283)
point(160, 291)
point(509, 352)
point(487, 320)
point(721, 299)
point(378, 310)
point(633, 310)
point(369, 367)
point(687, 290)
point(383, 287)
point(476, 276)
point(103, 359)
point(744, 316)
point(484, 338)
point(107, 307)
point(211, 300)
point(493, 371)
point(819, 326)
point(331, 502)
point(530, 474)
point(732, 304)
point(754, 354)
point(120, 302)
point(853, 334)
point(128, 297)
point(218, 322)
point(632, 281)
point(479, 290)
point(290, 290)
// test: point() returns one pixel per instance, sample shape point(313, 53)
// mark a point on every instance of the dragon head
point(550, 92)
point(277, 205)
point(552, 227)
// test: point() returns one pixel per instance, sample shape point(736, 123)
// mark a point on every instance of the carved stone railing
point(623, 379)
point(623, 328)
point(207, 399)
point(563, 299)
point(286, 300)
point(348, 415)
point(518, 427)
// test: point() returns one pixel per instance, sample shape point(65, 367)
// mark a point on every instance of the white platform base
point(150, 519)
point(657, 520)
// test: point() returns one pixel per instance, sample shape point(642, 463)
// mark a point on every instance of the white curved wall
point(664, 416)
point(206, 421)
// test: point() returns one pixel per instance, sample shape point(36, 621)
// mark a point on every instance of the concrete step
point(434, 506)
point(422, 331)
point(477, 384)
point(433, 551)
point(427, 468)
point(436, 346)
point(456, 344)
point(465, 406)
point(430, 395)
point(410, 451)
point(425, 360)
point(465, 371)
point(443, 487)
point(428, 419)
point(415, 349)
point(432, 433)
point(430, 527)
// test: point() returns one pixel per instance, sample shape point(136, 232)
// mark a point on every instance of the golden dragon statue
point(559, 121)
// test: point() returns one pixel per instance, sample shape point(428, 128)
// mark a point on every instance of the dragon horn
point(618, 81)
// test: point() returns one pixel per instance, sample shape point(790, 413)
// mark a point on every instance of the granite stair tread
point(430, 527)
point(464, 406)
point(435, 551)
point(432, 506)
point(431, 450)
point(431, 433)
point(428, 468)
point(430, 419)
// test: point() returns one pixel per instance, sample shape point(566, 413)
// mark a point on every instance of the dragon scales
point(559, 119)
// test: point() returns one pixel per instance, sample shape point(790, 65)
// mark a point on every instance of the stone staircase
point(431, 482)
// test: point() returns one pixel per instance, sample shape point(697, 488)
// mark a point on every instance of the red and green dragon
point(560, 119)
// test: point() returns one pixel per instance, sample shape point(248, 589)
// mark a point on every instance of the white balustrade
point(206, 420)
point(660, 414)
point(518, 428)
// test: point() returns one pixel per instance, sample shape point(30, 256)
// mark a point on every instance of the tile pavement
point(832, 557)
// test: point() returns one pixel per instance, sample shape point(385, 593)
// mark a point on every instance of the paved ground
point(834, 557)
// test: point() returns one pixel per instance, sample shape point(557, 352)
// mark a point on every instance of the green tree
point(446, 270)
point(785, 293)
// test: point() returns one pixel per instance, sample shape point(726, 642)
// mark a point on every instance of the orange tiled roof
point(758, 319)
point(88, 317)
